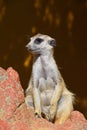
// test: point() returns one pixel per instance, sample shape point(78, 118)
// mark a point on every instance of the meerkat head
point(39, 44)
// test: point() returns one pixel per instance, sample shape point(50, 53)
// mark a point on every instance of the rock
point(11, 93)
point(14, 115)
point(4, 125)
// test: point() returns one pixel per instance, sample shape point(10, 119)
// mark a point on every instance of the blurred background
point(64, 20)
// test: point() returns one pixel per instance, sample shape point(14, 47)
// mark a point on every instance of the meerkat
point(47, 92)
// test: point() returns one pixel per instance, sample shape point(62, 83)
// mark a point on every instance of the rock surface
point(14, 114)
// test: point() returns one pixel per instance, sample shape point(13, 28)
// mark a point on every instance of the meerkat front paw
point(51, 117)
point(52, 113)
point(37, 113)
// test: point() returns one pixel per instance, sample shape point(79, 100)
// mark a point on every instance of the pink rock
point(14, 114)
point(11, 93)
point(4, 125)
point(13, 74)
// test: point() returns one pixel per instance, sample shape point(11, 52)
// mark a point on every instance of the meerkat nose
point(27, 45)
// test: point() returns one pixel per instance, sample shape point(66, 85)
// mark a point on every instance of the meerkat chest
point(48, 67)
point(42, 67)
point(47, 89)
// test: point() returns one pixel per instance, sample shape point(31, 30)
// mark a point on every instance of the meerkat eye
point(38, 40)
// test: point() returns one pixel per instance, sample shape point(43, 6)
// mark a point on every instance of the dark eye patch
point(38, 40)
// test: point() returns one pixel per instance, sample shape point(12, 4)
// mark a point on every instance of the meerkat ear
point(52, 42)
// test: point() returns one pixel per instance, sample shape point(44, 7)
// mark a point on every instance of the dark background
point(65, 20)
